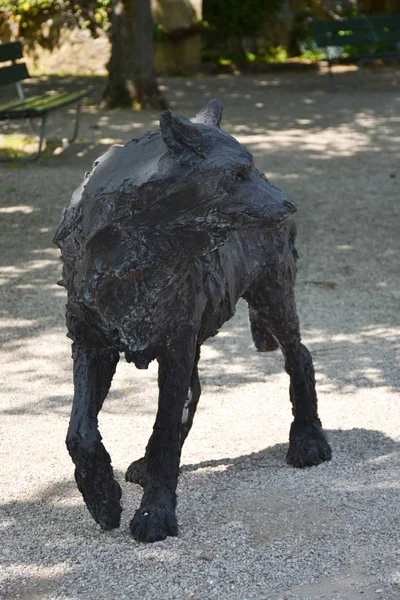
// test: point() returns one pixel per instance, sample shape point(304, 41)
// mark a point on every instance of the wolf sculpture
point(160, 241)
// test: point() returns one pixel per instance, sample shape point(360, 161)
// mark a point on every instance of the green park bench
point(35, 107)
point(377, 38)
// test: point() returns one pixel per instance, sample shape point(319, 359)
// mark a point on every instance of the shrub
point(41, 21)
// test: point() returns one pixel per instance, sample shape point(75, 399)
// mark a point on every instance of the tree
point(132, 76)
point(40, 22)
point(131, 68)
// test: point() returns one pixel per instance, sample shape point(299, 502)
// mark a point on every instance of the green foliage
point(318, 10)
point(41, 21)
point(238, 18)
point(159, 33)
point(15, 146)
point(310, 51)
point(273, 55)
point(277, 54)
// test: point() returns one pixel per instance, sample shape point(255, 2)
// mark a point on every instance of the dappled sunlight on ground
point(341, 141)
point(337, 155)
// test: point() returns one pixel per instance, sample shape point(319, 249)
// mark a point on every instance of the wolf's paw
point(153, 524)
point(308, 446)
point(136, 471)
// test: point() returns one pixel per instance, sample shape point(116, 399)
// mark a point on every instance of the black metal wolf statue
point(160, 241)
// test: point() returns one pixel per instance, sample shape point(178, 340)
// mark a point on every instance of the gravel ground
point(250, 526)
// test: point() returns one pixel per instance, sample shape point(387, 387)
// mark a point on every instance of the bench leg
point(43, 125)
point(359, 72)
point(41, 135)
point(77, 121)
point(331, 77)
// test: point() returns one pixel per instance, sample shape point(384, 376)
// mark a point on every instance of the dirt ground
point(250, 526)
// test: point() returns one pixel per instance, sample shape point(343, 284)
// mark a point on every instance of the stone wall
point(180, 51)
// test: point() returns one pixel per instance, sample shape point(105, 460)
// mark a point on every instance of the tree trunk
point(132, 76)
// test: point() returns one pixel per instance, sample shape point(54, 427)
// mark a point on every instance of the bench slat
point(38, 105)
point(13, 74)
point(377, 56)
point(360, 24)
point(358, 37)
point(10, 51)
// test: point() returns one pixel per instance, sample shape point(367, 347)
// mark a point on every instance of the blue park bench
point(35, 107)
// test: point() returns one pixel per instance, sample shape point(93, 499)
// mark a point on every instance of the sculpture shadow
point(355, 446)
point(53, 528)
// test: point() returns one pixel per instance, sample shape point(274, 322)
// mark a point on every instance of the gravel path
point(250, 526)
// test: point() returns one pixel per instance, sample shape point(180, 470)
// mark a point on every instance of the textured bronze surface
point(160, 241)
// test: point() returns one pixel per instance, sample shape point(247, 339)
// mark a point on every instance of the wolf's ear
point(210, 114)
point(184, 138)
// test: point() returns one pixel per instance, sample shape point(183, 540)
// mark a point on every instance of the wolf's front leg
point(137, 470)
point(93, 371)
point(155, 519)
point(274, 322)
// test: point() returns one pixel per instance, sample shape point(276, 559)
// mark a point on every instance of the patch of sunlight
point(272, 175)
point(386, 333)
point(35, 284)
point(58, 150)
point(31, 266)
point(93, 109)
point(209, 353)
point(126, 128)
point(22, 208)
point(12, 271)
point(107, 141)
point(17, 145)
point(39, 572)
point(214, 469)
point(268, 83)
point(315, 336)
point(17, 323)
point(373, 374)
point(333, 141)
point(51, 251)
